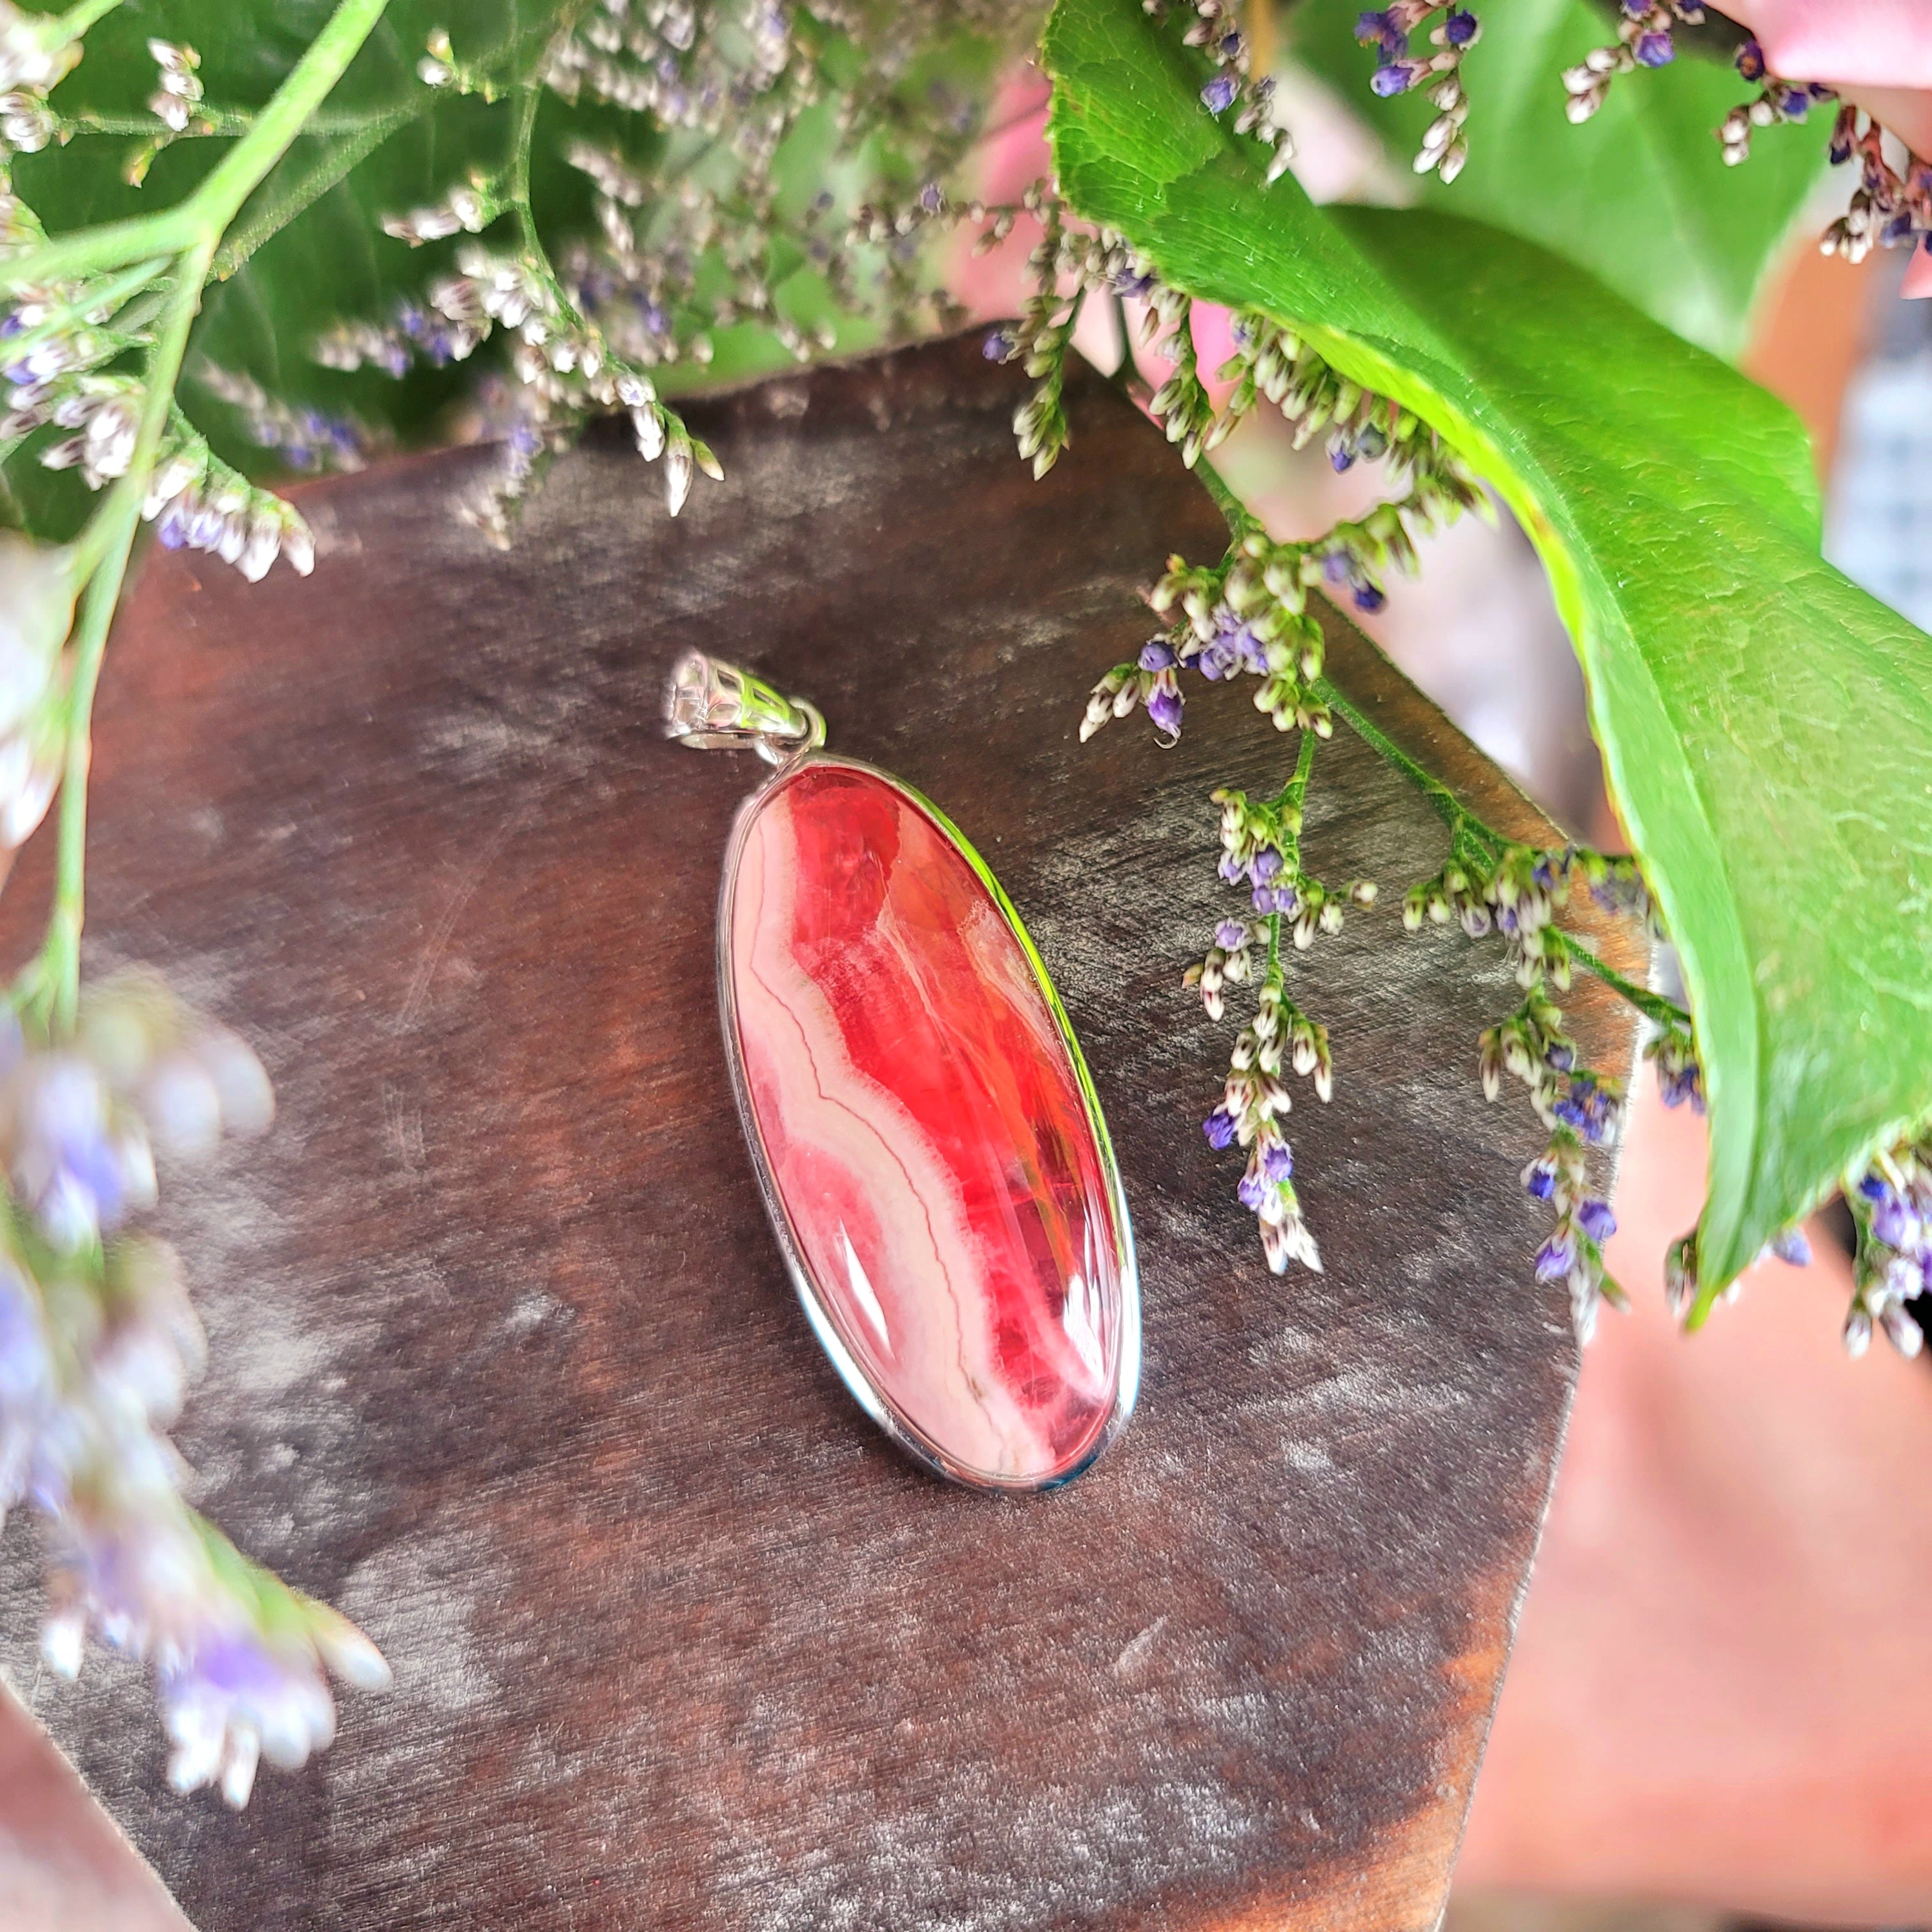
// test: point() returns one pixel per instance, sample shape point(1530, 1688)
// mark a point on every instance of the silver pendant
point(924, 1129)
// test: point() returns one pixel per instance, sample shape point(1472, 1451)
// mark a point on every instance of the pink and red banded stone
point(925, 1129)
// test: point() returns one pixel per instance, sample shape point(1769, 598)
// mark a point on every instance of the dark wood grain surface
point(504, 1361)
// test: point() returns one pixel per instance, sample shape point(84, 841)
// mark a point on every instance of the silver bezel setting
point(899, 1427)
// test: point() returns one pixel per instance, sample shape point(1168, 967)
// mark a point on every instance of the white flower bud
point(1858, 1332)
point(63, 1641)
point(678, 471)
point(1900, 1331)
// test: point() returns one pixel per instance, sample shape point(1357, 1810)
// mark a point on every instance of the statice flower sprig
point(305, 438)
point(1892, 1208)
point(97, 1339)
point(1490, 884)
point(37, 52)
point(1581, 1108)
point(566, 367)
point(98, 1342)
point(695, 240)
point(1493, 887)
point(63, 343)
point(1261, 855)
point(1644, 40)
point(179, 94)
point(1248, 615)
point(1888, 209)
point(1040, 338)
point(1389, 30)
point(1573, 1253)
point(1234, 87)
point(1673, 1051)
point(1779, 103)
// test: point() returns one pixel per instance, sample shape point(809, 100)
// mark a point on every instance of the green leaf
point(1639, 195)
point(1766, 726)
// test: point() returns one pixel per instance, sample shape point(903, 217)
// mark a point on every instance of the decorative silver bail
point(715, 707)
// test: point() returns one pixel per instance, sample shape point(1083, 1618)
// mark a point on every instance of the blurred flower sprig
point(98, 1342)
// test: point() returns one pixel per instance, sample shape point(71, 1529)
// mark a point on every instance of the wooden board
point(504, 1361)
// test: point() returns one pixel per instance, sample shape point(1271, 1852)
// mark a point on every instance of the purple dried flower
point(1654, 49)
point(1555, 1257)
point(1595, 1219)
point(1157, 654)
point(1220, 1128)
point(1893, 1223)
point(1461, 28)
point(1218, 96)
point(1165, 706)
point(242, 1673)
point(77, 1160)
point(1382, 29)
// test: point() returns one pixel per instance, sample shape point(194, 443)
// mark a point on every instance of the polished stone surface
point(925, 1127)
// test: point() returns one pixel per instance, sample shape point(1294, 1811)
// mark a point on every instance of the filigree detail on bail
point(712, 706)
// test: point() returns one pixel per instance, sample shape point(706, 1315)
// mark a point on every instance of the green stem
point(1666, 1012)
point(522, 138)
point(76, 21)
point(211, 124)
point(1459, 819)
point(104, 551)
point(346, 153)
point(120, 518)
point(67, 257)
point(1296, 789)
point(1239, 519)
point(219, 199)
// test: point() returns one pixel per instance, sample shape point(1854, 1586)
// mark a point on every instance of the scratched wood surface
point(504, 1362)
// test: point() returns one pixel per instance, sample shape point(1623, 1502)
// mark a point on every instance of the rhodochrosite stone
point(926, 1129)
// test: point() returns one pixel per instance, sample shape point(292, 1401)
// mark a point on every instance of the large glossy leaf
point(1766, 726)
point(1639, 195)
